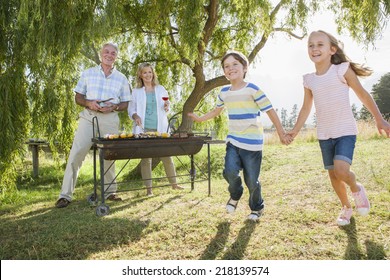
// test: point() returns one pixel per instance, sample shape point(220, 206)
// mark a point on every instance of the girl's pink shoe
point(361, 201)
point(345, 216)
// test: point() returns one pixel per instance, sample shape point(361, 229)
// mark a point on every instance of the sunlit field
point(298, 223)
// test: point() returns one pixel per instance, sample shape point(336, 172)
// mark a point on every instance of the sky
point(283, 61)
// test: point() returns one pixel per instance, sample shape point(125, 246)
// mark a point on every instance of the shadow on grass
point(162, 205)
point(375, 251)
point(48, 177)
point(353, 250)
point(72, 233)
point(218, 243)
point(237, 250)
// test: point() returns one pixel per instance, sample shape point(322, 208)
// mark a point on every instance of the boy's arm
point(278, 125)
point(303, 113)
point(212, 114)
point(367, 101)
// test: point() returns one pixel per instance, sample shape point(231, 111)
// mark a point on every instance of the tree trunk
point(136, 172)
point(196, 95)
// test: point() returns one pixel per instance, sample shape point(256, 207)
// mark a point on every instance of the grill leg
point(208, 168)
point(193, 173)
point(95, 183)
point(101, 159)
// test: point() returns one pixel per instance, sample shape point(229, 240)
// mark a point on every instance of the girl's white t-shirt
point(331, 100)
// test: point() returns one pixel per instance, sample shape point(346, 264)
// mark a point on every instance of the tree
point(38, 42)
point(355, 111)
point(293, 117)
point(364, 114)
point(314, 119)
point(191, 41)
point(283, 117)
point(45, 44)
point(381, 95)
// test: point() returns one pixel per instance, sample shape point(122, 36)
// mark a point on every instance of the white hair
point(115, 46)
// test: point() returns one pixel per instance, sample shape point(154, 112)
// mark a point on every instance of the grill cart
point(145, 146)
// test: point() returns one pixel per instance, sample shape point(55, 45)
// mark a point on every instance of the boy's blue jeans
point(249, 162)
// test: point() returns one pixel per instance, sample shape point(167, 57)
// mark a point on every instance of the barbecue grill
point(132, 148)
point(180, 144)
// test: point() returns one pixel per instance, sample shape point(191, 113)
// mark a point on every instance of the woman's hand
point(137, 119)
point(166, 105)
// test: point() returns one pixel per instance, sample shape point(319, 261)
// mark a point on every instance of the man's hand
point(108, 107)
point(92, 105)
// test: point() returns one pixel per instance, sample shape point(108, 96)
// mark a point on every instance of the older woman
point(149, 112)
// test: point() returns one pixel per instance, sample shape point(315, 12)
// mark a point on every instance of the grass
point(299, 221)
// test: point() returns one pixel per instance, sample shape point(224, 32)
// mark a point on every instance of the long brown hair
point(340, 56)
point(139, 81)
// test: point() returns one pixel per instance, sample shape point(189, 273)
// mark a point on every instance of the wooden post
point(35, 159)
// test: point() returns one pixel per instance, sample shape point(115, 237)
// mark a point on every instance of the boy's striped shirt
point(244, 107)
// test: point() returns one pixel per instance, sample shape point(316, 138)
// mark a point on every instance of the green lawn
point(298, 223)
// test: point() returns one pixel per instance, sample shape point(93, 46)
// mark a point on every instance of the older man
point(103, 92)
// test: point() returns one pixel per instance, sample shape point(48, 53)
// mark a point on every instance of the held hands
point(285, 138)
point(292, 134)
point(288, 137)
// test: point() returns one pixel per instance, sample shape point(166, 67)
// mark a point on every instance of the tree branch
point(211, 22)
point(267, 32)
point(212, 11)
point(92, 53)
point(289, 32)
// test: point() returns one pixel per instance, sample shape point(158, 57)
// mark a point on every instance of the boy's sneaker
point(231, 206)
point(361, 201)
point(345, 216)
point(255, 215)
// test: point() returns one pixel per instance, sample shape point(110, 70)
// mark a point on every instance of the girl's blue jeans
point(249, 162)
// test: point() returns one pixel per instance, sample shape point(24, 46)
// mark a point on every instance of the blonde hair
point(139, 81)
point(340, 56)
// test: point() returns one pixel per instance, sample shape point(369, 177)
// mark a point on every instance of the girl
point(336, 126)
point(149, 111)
point(244, 102)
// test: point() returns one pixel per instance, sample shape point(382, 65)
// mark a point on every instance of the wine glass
point(166, 104)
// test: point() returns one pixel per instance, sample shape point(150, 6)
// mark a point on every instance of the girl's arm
point(367, 101)
point(212, 114)
point(304, 113)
